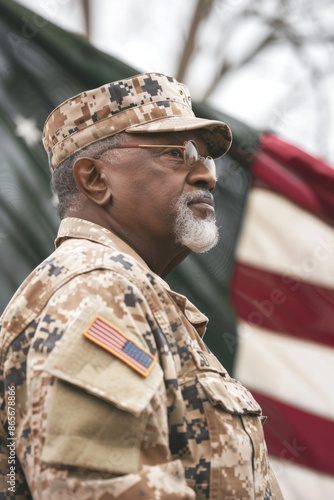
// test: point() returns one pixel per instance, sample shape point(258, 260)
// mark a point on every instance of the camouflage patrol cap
point(150, 102)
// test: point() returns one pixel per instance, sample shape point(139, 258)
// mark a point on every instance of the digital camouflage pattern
point(150, 102)
point(91, 427)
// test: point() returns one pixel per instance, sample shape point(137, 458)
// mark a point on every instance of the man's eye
point(175, 153)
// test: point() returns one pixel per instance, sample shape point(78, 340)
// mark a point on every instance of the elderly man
point(110, 391)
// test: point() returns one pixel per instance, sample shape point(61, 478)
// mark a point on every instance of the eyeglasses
point(190, 153)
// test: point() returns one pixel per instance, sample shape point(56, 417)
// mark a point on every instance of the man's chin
point(198, 247)
point(199, 235)
point(195, 223)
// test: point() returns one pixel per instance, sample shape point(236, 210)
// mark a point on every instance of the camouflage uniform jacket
point(88, 424)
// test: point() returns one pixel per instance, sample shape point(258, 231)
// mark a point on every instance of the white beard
point(199, 235)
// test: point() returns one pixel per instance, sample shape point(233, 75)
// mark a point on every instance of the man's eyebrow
point(177, 138)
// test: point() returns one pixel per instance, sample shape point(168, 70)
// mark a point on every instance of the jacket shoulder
point(74, 257)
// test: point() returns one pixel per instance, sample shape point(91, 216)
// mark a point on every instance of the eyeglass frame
point(168, 146)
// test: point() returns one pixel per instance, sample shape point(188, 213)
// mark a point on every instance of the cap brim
point(217, 134)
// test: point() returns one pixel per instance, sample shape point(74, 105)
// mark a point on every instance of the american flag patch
point(104, 334)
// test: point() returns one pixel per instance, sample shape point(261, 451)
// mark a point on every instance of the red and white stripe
point(283, 294)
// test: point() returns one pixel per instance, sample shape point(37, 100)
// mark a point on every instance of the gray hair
point(68, 197)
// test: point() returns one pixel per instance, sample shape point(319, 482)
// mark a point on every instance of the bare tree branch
point(201, 11)
point(86, 11)
point(226, 66)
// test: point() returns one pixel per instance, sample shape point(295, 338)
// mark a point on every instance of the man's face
point(157, 196)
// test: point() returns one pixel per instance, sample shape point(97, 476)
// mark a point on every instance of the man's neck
point(162, 257)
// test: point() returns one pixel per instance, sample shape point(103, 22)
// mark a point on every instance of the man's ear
point(91, 180)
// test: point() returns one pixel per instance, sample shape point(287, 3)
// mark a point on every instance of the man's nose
point(200, 175)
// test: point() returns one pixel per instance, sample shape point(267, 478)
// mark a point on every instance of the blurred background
point(267, 62)
point(266, 67)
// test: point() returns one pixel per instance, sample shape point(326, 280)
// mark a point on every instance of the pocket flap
point(230, 394)
point(79, 361)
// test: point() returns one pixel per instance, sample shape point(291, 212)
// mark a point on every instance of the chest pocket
point(236, 437)
point(228, 393)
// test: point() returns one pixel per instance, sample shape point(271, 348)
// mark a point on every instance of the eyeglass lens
point(191, 153)
point(192, 156)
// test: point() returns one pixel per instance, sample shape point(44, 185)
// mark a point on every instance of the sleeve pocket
point(85, 431)
point(96, 413)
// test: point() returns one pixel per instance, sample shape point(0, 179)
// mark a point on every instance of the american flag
point(283, 293)
point(104, 334)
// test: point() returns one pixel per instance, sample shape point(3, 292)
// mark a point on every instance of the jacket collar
point(72, 227)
